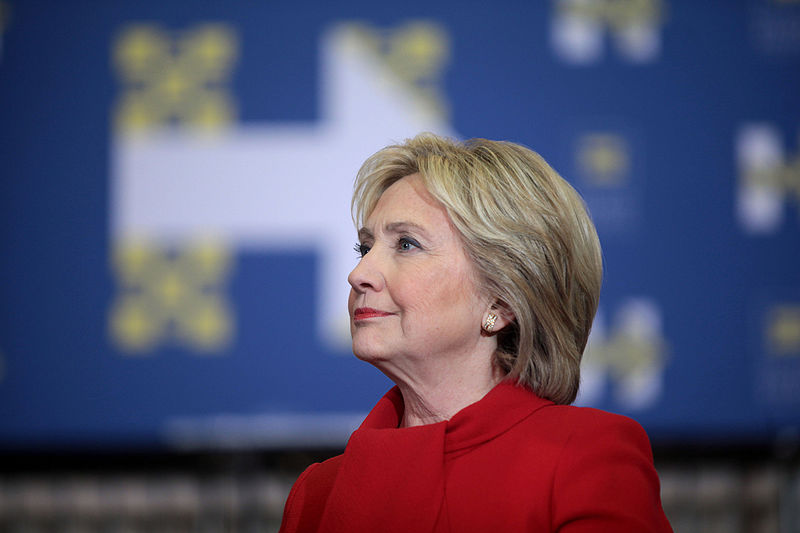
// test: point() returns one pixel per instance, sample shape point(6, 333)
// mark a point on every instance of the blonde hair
point(529, 236)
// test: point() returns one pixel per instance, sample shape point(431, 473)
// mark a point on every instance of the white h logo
point(766, 177)
point(579, 26)
point(632, 356)
point(273, 187)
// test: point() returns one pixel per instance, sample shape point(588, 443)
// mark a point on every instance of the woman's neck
point(436, 401)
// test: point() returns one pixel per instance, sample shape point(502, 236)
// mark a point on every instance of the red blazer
point(510, 462)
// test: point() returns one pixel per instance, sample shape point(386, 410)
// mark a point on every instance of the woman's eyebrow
point(393, 227)
point(364, 234)
point(400, 227)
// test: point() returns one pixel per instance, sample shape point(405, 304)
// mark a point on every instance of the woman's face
point(413, 298)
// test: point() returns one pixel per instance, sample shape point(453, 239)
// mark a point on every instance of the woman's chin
point(369, 354)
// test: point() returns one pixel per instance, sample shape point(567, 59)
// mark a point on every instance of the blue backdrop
point(174, 224)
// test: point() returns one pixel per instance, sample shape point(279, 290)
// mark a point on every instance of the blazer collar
point(502, 408)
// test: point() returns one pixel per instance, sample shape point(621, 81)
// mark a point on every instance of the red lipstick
point(367, 312)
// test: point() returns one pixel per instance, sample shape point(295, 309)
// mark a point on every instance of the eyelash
point(362, 249)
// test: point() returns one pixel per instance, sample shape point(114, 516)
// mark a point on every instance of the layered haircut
point(529, 236)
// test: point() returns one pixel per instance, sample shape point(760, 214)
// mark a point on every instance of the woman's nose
point(366, 275)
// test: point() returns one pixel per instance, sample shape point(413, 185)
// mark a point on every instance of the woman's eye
point(405, 244)
point(361, 249)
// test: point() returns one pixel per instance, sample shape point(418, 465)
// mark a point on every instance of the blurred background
point(175, 236)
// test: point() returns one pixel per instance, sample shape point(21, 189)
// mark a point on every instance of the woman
point(478, 281)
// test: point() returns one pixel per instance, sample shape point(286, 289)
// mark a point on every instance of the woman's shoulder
point(306, 500)
point(565, 432)
point(571, 421)
point(601, 465)
point(319, 477)
point(523, 415)
point(605, 463)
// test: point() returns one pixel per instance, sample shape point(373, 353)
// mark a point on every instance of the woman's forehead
point(407, 202)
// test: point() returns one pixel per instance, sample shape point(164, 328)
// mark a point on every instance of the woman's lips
point(367, 312)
